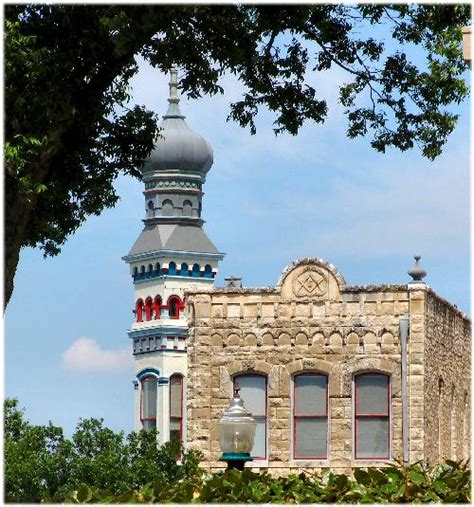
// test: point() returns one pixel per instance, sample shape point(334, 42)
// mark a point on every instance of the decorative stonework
point(171, 184)
point(310, 279)
point(312, 261)
point(311, 282)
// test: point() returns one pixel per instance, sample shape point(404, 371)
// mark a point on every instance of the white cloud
point(87, 356)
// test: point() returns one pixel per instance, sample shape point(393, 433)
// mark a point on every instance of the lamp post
point(236, 433)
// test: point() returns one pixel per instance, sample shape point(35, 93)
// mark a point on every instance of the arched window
point(150, 270)
point(135, 273)
point(175, 305)
point(310, 416)
point(148, 308)
point(172, 268)
point(148, 402)
point(157, 307)
point(184, 269)
point(207, 271)
point(253, 391)
point(176, 408)
point(150, 210)
point(167, 208)
point(372, 416)
point(187, 208)
point(142, 272)
point(139, 310)
point(157, 269)
point(196, 270)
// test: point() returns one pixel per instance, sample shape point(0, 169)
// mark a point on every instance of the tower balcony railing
point(195, 272)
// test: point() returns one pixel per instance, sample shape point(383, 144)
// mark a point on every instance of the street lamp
point(236, 433)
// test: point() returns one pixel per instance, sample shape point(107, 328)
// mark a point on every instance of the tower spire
point(173, 84)
point(173, 99)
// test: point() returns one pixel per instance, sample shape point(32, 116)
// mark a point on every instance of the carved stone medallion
point(310, 283)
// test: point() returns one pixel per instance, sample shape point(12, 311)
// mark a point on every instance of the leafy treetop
point(70, 131)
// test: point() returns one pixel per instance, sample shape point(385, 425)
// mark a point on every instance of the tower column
point(136, 404)
point(171, 254)
point(163, 403)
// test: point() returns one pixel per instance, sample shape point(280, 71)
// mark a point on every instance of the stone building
point(335, 375)
point(340, 376)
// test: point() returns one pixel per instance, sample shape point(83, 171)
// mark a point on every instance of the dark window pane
point(310, 394)
point(259, 444)
point(175, 396)
point(311, 437)
point(175, 429)
point(149, 399)
point(372, 437)
point(252, 392)
point(372, 394)
point(149, 425)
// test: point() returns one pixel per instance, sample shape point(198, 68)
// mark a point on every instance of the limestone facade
point(447, 382)
point(313, 322)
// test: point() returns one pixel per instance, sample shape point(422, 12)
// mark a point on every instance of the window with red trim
point(157, 307)
point(176, 408)
point(253, 391)
point(148, 403)
point(148, 308)
point(139, 310)
point(175, 305)
point(310, 416)
point(372, 416)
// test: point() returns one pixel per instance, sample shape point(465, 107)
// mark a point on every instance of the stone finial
point(417, 272)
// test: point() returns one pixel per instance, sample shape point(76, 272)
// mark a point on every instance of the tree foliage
point(99, 466)
point(70, 130)
point(42, 465)
point(395, 484)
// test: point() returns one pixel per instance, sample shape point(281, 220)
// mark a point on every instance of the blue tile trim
point(148, 371)
point(145, 278)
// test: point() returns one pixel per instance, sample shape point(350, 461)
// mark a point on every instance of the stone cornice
point(158, 330)
point(174, 220)
point(178, 254)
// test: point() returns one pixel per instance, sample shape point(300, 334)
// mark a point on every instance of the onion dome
point(177, 147)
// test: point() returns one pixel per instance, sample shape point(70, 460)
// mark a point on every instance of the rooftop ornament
point(233, 282)
point(417, 272)
point(236, 433)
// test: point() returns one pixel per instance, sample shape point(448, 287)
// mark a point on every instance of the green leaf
point(361, 476)
point(377, 476)
point(415, 476)
point(84, 494)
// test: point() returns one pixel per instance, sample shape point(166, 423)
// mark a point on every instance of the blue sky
point(268, 201)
